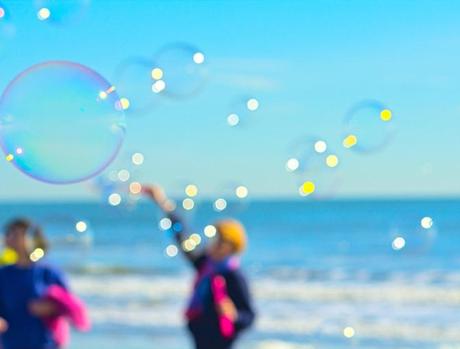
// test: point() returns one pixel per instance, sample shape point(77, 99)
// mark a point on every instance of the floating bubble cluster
point(368, 127)
point(314, 165)
point(54, 125)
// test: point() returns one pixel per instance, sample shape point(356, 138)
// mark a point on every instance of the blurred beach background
point(353, 223)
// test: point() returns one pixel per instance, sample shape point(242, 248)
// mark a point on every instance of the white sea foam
point(395, 310)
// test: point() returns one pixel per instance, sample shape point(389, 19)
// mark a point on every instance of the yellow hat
point(232, 231)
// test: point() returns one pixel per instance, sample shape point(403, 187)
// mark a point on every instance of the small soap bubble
point(368, 127)
point(183, 68)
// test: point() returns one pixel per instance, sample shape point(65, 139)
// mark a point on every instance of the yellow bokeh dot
point(10, 157)
point(124, 102)
point(307, 188)
point(332, 161)
point(191, 190)
point(386, 115)
point(349, 332)
point(350, 141)
point(157, 74)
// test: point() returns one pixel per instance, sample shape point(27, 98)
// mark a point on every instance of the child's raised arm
point(178, 226)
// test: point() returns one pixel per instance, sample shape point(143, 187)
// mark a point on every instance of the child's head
point(230, 239)
point(22, 237)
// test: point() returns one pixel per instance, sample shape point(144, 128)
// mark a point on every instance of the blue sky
point(306, 61)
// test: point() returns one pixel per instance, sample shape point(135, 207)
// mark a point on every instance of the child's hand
point(154, 192)
point(227, 308)
point(43, 308)
point(3, 325)
point(157, 194)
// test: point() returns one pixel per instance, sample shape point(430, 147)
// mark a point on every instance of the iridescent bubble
point(414, 235)
point(315, 167)
point(54, 126)
point(134, 80)
point(179, 70)
point(368, 127)
point(241, 110)
point(61, 12)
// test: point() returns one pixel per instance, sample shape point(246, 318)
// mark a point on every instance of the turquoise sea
point(315, 268)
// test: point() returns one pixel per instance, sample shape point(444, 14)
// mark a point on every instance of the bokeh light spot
point(198, 58)
point(307, 188)
point(158, 86)
point(135, 188)
point(37, 254)
point(350, 141)
point(332, 161)
point(44, 13)
point(426, 222)
point(386, 115)
point(210, 231)
point(241, 192)
point(172, 251)
point(292, 165)
point(196, 238)
point(220, 204)
point(188, 204)
point(81, 226)
point(191, 190)
point(320, 146)
point(165, 224)
point(233, 119)
point(137, 159)
point(114, 199)
point(252, 104)
point(157, 73)
point(349, 332)
point(124, 175)
point(398, 243)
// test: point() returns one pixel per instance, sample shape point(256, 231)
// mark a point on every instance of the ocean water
point(315, 268)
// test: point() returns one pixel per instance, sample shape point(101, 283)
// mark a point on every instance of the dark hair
point(36, 233)
point(18, 223)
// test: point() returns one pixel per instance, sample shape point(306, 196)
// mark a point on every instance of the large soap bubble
point(368, 127)
point(179, 70)
point(60, 122)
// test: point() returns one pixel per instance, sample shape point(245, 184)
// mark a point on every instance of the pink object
point(219, 290)
point(73, 312)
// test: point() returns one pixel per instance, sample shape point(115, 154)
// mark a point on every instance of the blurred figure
point(35, 304)
point(220, 306)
